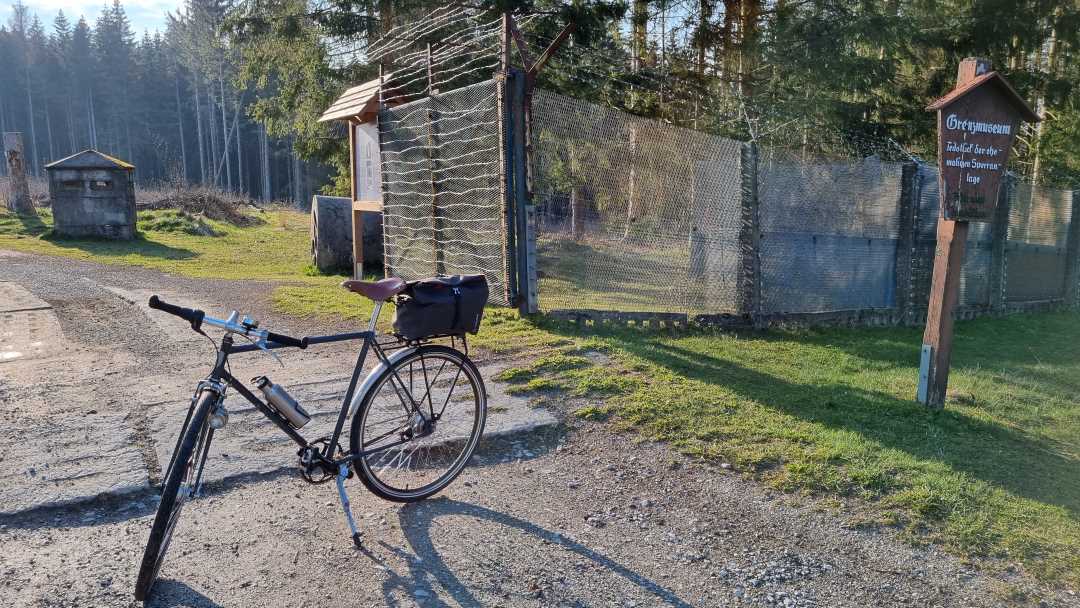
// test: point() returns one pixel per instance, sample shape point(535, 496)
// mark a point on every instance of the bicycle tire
point(362, 466)
point(168, 510)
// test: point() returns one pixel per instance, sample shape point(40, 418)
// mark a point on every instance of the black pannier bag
point(441, 306)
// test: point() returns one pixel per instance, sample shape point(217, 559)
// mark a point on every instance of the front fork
point(217, 418)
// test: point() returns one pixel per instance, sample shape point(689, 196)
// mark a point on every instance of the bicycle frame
point(220, 375)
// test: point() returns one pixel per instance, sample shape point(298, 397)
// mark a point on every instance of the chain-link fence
point(829, 233)
point(975, 273)
point(1035, 259)
point(442, 196)
point(633, 214)
point(638, 216)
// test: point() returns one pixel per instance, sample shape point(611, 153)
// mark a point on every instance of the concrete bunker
point(93, 195)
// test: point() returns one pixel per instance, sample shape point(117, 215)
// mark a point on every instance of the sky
point(143, 14)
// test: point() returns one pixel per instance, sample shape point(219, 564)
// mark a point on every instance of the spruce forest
point(227, 93)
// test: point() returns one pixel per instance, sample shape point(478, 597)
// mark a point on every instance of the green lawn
point(831, 413)
point(828, 413)
point(276, 246)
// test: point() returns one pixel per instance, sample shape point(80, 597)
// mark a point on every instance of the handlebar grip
point(286, 340)
point(191, 315)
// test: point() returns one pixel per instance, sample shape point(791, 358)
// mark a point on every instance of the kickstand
point(343, 474)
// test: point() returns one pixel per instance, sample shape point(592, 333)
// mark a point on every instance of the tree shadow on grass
point(1002, 456)
point(22, 225)
point(140, 245)
point(1033, 350)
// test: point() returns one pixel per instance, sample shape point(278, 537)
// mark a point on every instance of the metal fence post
point(905, 238)
point(1072, 255)
point(749, 296)
point(524, 214)
point(999, 247)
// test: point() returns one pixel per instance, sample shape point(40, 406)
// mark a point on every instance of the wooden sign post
point(977, 123)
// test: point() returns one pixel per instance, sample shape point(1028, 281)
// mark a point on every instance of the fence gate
point(443, 196)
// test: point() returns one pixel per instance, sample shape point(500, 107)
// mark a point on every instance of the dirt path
point(571, 514)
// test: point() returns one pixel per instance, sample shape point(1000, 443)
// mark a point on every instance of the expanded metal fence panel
point(633, 214)
point(975, 272)
point(1035, 252)
point(829, 233)
point(442, 196)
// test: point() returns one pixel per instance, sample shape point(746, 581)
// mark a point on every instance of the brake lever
point(263, 345)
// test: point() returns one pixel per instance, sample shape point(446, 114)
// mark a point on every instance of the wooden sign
point(977, 124)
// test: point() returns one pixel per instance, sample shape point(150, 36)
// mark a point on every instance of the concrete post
point(905, 244)
point(19, 198)
point(1072, 255)
point(999, 231)
point(749, 296)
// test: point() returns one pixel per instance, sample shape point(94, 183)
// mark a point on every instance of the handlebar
point(197, 318)
point(287, 340)
point(191, 315)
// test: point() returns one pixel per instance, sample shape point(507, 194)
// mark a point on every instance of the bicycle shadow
point(168, 593)
point(416, 522)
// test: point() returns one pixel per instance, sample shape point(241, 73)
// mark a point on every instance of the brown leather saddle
point(379, 291)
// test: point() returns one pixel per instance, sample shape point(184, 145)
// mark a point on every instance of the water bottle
point(282, 402)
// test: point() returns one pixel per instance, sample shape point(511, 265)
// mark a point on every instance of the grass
point(829, 413)
point(275, 248)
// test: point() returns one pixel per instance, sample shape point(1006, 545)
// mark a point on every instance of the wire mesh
point(447, 48)
point(1035, 252)
point(634, 214)
point(829, 232)
point(442, 198)
point(975, 271)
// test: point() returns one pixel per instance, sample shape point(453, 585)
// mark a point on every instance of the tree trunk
point(212, 123)
point(639, 22)
point(180, 128)
point(265, 164)
point(1040, 102)
point(298, 194)
point(48, 133)
point(704, 33)
point(91, 119)
point(749, 30)
point(239, 150)
point(199, 134)
point(224, 131)
point(726, 47)
point(30, 115)
point(19, 197)
point(72, 144)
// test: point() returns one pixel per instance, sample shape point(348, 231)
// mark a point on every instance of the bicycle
point(396, 412)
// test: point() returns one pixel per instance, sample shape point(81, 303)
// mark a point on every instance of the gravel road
point(574, 514)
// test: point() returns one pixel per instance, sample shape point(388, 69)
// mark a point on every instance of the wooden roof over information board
point(360, 102)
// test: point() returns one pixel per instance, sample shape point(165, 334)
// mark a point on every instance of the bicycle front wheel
point(178, 487)
point(419, 424)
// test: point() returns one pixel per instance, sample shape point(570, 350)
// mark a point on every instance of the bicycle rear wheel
point(178, 487)
point(419, 424)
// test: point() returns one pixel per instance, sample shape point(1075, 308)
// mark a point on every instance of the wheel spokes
point(432, 447)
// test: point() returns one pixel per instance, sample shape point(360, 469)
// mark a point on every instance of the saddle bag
point(441, 306)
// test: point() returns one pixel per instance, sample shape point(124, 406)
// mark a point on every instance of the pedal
point(315, 469)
